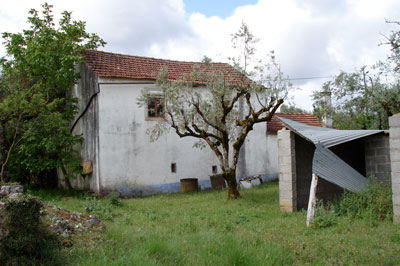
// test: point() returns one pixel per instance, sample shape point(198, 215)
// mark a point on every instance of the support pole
point(312, 199)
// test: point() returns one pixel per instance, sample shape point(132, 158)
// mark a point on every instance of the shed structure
point(342, 158)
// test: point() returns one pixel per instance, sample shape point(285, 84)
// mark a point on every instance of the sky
point(311, 38)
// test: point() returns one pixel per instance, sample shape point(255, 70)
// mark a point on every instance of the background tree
point(360, 100)
point(292, 109)
point(222, 114)
point(365, 98)
point(393, 40)
point(36, 107)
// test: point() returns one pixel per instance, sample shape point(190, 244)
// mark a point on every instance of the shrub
point(103, 210)
point(24, 239)
point(113, 199)
point(323, 217)
point(373, 203)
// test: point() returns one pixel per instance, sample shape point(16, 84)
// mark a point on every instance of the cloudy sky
point(311, 38)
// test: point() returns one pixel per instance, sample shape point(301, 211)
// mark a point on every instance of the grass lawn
point(206, 229)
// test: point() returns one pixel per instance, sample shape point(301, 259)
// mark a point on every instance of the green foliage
point(24, 239)
point(373, 204)
point(202, 229)
point(364, 99)
point(394, 41)
point(360, 100)
point(291, 109)
point(102, 208)
point(323, 218)
point(113, 199)
point(36, 107)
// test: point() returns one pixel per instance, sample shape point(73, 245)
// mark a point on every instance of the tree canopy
point(218, 109)
point(365, 98)
point(36, 107)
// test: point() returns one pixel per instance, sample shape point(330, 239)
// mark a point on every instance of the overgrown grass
point(206, 229)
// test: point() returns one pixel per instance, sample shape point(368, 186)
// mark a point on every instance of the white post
point(312, 199)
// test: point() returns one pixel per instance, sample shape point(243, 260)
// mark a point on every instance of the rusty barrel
point(189, 185)
point(217, 181)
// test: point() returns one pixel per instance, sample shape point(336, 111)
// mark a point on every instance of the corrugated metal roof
point(327, 137)
point(330, 167)
point(325, 163)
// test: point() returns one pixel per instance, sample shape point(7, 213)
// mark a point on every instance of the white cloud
point(310, 37)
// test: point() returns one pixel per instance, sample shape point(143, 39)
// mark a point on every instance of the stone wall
point(377, 157)
point(394, 123)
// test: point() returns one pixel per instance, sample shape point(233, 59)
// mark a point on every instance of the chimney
point(327, 120)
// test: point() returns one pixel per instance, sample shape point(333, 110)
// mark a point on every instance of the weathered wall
point(132, 165)
point(377, 156)
point(87, 126)
point(261, 151)
point(394, 123)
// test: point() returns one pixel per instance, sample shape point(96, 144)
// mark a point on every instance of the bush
point(103, 210)
point(373, 203)
point(323, 218)
point(113, 199)
point(24, 239)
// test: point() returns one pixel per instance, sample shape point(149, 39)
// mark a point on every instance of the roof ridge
point(108, 64)
point(148, 57)
point(295, 114)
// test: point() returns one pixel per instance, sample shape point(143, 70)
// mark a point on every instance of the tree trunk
point(66, 178)
point(4, 164)
point(230, 177)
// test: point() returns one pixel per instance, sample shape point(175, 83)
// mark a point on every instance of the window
point(155, 108)
point(214, 169)
point(173, 167)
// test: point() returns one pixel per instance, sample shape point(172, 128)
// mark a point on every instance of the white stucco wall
point(131, 164)
point(261, 153)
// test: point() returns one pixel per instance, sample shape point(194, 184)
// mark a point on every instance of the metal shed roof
point(325, 163)
point(330, 167)
point(327, 137)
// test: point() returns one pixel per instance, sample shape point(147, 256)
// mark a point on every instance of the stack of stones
point(12, 191)
point(62, 222)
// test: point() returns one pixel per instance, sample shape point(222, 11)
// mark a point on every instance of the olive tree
point(219, 104)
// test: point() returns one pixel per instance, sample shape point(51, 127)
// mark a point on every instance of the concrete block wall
point(377, 157)
point(287, 171)
point(394, 123)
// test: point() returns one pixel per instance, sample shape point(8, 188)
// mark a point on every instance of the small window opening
point(155, 107)
point(173, 167)
point(214, 169)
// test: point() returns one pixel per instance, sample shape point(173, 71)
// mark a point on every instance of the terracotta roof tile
point(113, 65)
point(275, 124)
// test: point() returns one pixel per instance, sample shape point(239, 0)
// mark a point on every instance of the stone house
point(118, 150)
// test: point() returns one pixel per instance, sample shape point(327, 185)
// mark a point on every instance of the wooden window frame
point(157, 116)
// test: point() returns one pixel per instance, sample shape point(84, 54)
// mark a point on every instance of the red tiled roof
point(106, 64)
point(275, 124)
